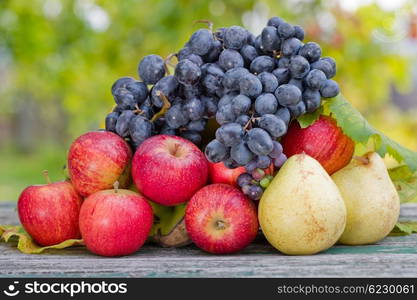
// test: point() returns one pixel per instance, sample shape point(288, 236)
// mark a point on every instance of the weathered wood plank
point(392, 257)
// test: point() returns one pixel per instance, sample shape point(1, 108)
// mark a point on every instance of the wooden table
point(392, 257)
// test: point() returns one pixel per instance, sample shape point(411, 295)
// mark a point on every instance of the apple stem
point(220, 225)
point(362, 159)
point(116, 186)
point(46, 175)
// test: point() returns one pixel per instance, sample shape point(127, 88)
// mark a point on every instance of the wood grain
point(392, 257)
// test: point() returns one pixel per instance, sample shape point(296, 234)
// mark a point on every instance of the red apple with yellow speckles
point(96, 160)
point(220, 219)
point(49, 212)
point(323, 140)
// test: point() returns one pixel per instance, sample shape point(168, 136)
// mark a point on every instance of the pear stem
point(362, 159)
point(116, 186)
point(46, 175)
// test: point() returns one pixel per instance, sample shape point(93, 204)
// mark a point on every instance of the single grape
point(201, 41)
point(250, 85)
point(270, 39)
point(196, 59)
point(282, 75)
point(230, 163)
point(194, 109)
point(175, 117)
point(241, 104)
point(285, 30)
point(166, 86)
point(212, 76)
point(266, 104)
point(332, 62)
point(230, 59)
point(225, 114)
point(214, 52)
point(284, 114)
point(229, 134)
point(299, 32)
point(269, 82)
point(258, 174)
point(326, 66)
point(275, 21)
point(188, 91)
point(184, 53)
point(251, 38)
point(122, 124)
point(274, 125)
point(288, 94)
point(216, 151)
point(315, 79)
point(187, 72)
point(241, 154)
point(235, 37)
point(329, 89)
point(244, 179)
point(254, 192)
point(248, 53)
point(251, 166)
point(210, 106)
point(299, 67)
point(139, 129)
point(283, 62)
point(111, 121)
point(242, 120)
point(263, 162)
point(192, 136)
point(151, 68)
point(297, 82)
point(276, 151)
point(197, 125)
point(278, 162)
point(232, 77)
point(297, 110)
point(311, 99)
point(262, 64)
point(311, 51)
point(291, 46)
point(264, 183)
point(121, 83)
point(227, 99)
point(259, 141)
point(139, 90)
point(124, 99)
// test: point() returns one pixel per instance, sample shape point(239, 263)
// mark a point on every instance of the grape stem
point(208, 22)
point(164, 108)
point(251, 119)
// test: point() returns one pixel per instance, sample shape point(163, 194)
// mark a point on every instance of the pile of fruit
point(207, 148)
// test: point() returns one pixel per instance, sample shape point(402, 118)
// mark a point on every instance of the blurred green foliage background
point(59, 58)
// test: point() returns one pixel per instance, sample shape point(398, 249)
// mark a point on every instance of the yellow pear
point(302, 211)
point(372, 202)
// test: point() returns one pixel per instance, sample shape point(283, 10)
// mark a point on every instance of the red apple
point(169, 169)
point(221, 219)
point(49, 212)
point(96, 160)
point(115, 222)
point(323, 140)
point(219, 173)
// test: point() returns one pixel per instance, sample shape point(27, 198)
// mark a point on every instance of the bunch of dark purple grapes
point(252, 86)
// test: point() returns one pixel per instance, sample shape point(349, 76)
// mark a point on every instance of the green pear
point(302, 211)
point(372, 202)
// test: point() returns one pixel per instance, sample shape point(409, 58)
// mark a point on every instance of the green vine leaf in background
point(404, 228)
point(11, 233)
point(405, 182)
point(358, 129)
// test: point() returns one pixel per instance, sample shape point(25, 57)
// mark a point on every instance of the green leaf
point(358, 129)
point(309, 118)
point(404, 228)
point(405, 182)
point(26, 244)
